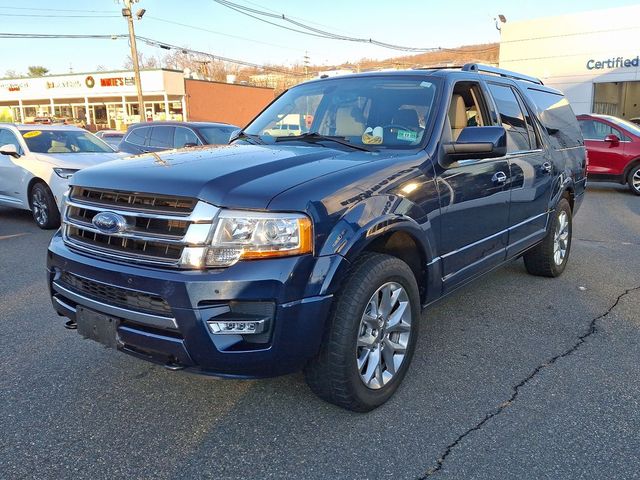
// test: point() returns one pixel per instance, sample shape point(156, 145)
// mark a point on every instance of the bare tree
point(145, 62)
point(12, 74)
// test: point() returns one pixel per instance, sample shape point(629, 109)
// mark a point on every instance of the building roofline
point(225, 83)
point(94, 73)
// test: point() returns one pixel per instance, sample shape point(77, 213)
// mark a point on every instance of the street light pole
point(127, 13)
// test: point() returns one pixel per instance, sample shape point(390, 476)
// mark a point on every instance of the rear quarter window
point(137, 136)
point(557, 118)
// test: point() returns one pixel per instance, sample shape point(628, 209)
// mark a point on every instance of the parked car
point(36, 163)
point(158, 136)
point(111, 137)
point(613, 145)
point(319, 251)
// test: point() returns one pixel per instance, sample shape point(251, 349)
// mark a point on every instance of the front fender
point(368, 221)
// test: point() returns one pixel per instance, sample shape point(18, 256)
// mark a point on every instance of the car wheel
point(549, 258)
point(634, 179)
point(370, 336)
point(43, 207)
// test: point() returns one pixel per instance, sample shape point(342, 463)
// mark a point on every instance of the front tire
point(43, 207)
point(634, 179)
point(549, 258)
point(370, 337)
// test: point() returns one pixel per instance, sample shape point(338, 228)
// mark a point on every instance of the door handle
point(499, 177)
point(546, 167)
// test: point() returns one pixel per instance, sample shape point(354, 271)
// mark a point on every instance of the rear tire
point(370, 336)
point(549, 258)
point(634, 179)
point(43, 207)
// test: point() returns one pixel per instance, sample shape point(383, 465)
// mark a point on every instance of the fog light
point(237, 327)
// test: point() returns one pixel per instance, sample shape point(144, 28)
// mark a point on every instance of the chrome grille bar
point(157, 238)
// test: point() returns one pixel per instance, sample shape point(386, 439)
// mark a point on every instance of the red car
point(613, 145)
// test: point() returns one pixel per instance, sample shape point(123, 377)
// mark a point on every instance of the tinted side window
point(184, 136)
point(8, 138)
point(512, 117)
point(594, 130)
point(557, 118)
point(161, 137)
point(137, 136)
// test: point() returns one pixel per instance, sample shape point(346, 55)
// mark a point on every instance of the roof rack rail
point(480, 68)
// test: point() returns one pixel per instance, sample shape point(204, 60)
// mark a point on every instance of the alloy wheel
point(635, 180)
point(383, 335)
point(39, 206)
point(561, 238)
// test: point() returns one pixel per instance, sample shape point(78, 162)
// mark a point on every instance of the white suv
point(37, 161)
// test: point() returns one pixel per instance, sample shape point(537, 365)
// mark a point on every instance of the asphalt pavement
point(515, 376)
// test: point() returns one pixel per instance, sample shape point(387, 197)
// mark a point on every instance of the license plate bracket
point(97, 326)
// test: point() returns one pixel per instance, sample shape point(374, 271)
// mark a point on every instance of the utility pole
point(306, 61)
point(126, 12)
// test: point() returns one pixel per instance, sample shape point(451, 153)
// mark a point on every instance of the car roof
point(41, 126)
point(439, 72)
point(184, 124)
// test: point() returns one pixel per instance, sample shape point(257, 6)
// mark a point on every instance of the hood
point(234, 176)
point(77, 160)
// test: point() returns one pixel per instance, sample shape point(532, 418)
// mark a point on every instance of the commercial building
point(593, 57)
point(100, 100)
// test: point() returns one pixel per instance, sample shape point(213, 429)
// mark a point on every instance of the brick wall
point(224, 102)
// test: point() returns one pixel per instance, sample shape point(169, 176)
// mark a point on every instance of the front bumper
point(300, 288)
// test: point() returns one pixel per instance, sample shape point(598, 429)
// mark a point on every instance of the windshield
point(63, 141)
point(631, 127)
point(385, 111)
point(217, 135)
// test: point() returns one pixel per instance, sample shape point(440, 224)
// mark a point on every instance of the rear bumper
point(299, 288)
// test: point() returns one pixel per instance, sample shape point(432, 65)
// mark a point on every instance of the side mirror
point(235, 135)
point(613, 140)
point(477, 143)
point(9, 149)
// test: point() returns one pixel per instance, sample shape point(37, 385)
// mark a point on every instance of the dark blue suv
point(318, 251)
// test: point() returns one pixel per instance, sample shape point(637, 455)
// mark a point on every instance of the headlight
point(65, 173)
point(249, 235)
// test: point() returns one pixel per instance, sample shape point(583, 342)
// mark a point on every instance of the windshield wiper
point(313, 137)
point(242, 135)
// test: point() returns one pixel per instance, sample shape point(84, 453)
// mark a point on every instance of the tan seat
point(347, 125)
point(58, 147)
point(457, 116)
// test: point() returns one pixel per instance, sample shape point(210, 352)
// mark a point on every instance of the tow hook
point(71, 325)
point(174, 367)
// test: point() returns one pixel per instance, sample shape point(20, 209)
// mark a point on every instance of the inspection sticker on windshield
point(407, 135)
point(33, 133)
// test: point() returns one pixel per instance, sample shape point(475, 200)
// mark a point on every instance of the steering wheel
point(396, 126)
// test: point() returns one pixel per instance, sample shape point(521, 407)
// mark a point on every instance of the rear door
point(531, 168)
point(605, 158)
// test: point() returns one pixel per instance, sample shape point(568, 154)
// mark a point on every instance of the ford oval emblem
point(109, 222)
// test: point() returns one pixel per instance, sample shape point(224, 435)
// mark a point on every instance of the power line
point(55, 9)
point(48, 15)
point(202, 29)
point(306, 29)
point(153, 43)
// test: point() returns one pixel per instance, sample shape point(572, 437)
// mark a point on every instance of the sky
point(219, 30)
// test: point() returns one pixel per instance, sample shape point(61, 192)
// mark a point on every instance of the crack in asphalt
point(591, 330)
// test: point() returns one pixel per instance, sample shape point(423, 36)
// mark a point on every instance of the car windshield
point(631, 127)
point(217, 135)
point(382, 111)
point(63, 141)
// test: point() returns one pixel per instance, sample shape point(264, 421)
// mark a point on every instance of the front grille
point(116, 296)
point(160, 230)
point(132, 200)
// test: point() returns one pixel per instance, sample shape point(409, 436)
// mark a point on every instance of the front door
point(606, 158)
point(11, 174)
point(474, 198)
